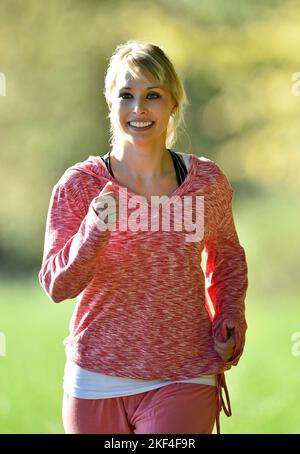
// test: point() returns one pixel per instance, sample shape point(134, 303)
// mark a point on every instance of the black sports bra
point(179, 165)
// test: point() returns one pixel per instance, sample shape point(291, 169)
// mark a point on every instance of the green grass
point(264, 387)
point(32, 370)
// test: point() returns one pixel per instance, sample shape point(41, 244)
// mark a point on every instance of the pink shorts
point(178, 408)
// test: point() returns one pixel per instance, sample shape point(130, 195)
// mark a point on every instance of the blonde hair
point(141, 58)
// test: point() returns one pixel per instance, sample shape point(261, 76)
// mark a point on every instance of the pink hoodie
point(141, 310)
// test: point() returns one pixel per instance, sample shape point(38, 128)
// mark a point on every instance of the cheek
point(119, 112)
point(123, 110)
point(163, 114)
point(162, 109)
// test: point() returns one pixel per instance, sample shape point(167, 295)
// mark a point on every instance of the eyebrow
point(148, 88)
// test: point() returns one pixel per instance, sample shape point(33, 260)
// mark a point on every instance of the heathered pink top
point(141, 310)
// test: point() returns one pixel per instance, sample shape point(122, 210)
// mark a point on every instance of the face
point(140, 110)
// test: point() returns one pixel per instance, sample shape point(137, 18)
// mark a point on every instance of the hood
point(93, 166)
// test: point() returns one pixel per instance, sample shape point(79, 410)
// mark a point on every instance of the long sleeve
point(73, 242)
point(226, 271)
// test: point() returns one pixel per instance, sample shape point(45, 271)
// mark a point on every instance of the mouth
point(140, 125)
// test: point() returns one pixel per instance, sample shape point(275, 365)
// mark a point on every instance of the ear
point(109, 104)
point(175, 106)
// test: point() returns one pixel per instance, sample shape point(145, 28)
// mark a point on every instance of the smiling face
point(140, 110)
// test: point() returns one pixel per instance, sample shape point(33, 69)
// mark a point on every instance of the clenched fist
point(225, 349)
point(106, 205)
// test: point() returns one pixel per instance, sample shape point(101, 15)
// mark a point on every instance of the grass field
point(264, 387)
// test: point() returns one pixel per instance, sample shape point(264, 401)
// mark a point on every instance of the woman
point(146, 352)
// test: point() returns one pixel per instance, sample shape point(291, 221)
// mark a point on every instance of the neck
point(141, 163)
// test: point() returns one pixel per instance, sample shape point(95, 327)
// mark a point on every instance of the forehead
point(125, 79)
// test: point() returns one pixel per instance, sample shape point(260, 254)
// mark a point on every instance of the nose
point(139, 106)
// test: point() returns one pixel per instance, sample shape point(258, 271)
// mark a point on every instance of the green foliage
point(236, 60)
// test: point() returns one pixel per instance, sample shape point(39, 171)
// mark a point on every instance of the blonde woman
point(146, 352)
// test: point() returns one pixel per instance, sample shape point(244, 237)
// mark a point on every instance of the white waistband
point(84, 384)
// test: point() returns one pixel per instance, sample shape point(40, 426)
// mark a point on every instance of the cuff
point(219, 333)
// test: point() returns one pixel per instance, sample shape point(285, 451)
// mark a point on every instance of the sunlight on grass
point(263, 387)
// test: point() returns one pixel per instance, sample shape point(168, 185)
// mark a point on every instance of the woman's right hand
point(107, 209)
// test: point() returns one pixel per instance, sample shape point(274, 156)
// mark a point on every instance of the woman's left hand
point(225, 349)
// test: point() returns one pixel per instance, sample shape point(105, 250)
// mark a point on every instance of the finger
point(104, 213)
point(223, 352)
point(108, 217)
point(111, 215)
point(229, 342)
point(106, 202)
point(220, 349)
point(108, 221)
point(224, 355)
point(107, 188)
point(101, 196)
point(106, 206)
point(106, 197)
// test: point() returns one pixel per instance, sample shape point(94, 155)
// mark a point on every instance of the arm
point(226, 272)
point(73, 243)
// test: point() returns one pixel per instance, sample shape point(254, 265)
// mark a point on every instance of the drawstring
point(221, 383)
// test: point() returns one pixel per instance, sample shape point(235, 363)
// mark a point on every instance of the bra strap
point(180, 168)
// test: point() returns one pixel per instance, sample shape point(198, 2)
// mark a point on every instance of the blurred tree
point(236, 59)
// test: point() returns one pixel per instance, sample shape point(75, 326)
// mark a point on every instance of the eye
point(157, 95)
point(124, 95)
point(127, 95)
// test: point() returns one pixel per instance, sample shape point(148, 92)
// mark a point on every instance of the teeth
point(140, 124)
